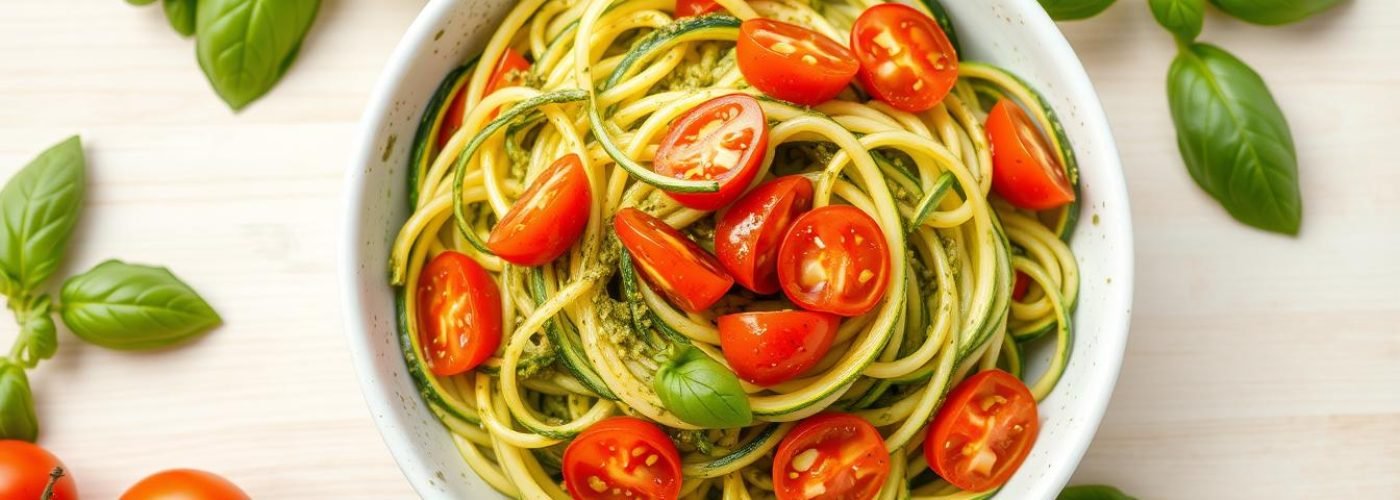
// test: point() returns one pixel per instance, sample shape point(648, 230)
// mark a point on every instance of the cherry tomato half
point(688, 8)
point(548, 218)
point(622, 457)
point(905, 58)
point(1025, 171)
point(793, 63)
point(25, 469)
point(983, 432)
point(831, 455)
point(768, 348)
point(185, 484)
point(459, 314)
point(834, 259)
point(690, 277)
point(748, 234)
point(509, 71)
point(723, 139)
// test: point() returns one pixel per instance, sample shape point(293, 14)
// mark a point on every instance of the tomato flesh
point(831, 456)
point(687, 275)
point(548, 218)
point(793, 63)
point(510, 71)
point(748, 234)
point(459, 314)
point(690, 8)
point(834, 259)
point(1021, 286)
point(723, 140)
point(905, 58)
point(768, 348)
point(1025, 170)
point(25, 469)
point(184, 483)
point(622, 457)
point(983, 432)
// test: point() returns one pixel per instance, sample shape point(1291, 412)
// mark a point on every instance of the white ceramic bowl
point(1015, 34)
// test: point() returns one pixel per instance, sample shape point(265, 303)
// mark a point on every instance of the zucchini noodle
point(607, 80)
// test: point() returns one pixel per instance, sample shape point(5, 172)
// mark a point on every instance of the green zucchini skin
point(418, 371)
point(424, 141)
point(715, 468)
point(569, 352)
point(940, 14)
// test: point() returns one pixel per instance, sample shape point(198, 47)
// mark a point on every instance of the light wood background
point(1259, 366)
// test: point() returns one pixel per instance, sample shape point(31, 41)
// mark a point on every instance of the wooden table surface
point(1259, 366)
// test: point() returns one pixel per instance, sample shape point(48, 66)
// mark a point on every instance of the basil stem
point(17, 419)
point(1273, 12)
point(1093, 492)
point(38, 339)
point(245, 46)
point(1234, 138)
point(1183, 18)
point(1073, 10)
point(701, 391)
point(38, 209)
point(132, 307)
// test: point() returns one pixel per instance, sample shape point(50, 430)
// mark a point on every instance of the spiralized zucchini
point(607, 79)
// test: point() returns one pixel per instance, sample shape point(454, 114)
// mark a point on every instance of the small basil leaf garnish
point(701, 391)
point(181, 14)
point(1183, 18)
point(1072, 10)
point(38, 209)
point(17, 419)
point(1092, 492)
point(245, 46)
point(1273, 12)
point(131, 307)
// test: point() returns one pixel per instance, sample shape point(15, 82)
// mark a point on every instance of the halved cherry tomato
point(459, 314)
point(983, 432)
point(793, 63)
point(185, 484)
point(723, 139)
point(1025, 171)
point(509, 71)
point(690, 277)
point(834, 259)
point(622, 457)
point(25, 469)
point(905, 58)
point(748, 234)
point(768, 348)
point(831, 455)
point(548, 218)
point(1021, 286)
point(688, 8)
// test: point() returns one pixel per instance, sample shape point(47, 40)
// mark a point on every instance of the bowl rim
point(379, 397)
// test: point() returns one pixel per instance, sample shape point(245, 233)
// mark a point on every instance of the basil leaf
point(245, 46)
point(38, 209)
point(1274, 12)
point(1071, 10)
point(140, 2)
point(38, 339)
point(126, 306)
point(181, 14)
point(701, 391)
point(1181, 17)
point(1093, 492)
point(17, 419)
point(1234, 138)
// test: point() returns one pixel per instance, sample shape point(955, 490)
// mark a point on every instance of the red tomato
point(510, 71)
point(690, 277)
point(905, 59)
point(747, 235)
point(25, 469)
point(983, 432)
point(548, 218)
point(722, 139)
point(768, 348)
point(831, 455)
point(834, 259)
point(1025, 171)
point(185, 484)
point(793, 63)
point(622, 457)
point(1021, 286)
point(459, 314)
point(688, 8)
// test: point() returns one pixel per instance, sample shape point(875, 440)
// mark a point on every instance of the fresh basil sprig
point(1273, 12)
point(181, 14)
point(38, 208)
point(17, 419)
point(245, 46)
point(1234, 138)
point(38, 338)
point(1183, 18)
point(1071, 10)
point(1093, 492)
point(126, 306)
point(701, 391)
